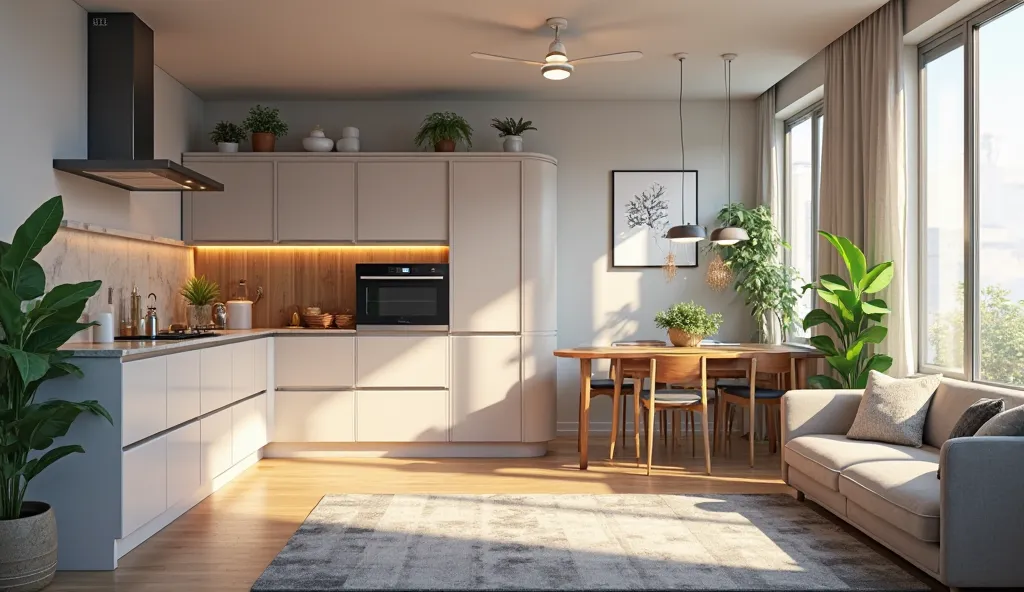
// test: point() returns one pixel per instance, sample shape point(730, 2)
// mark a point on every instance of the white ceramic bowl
point(348, 145)
point(314, 144)
point(350, 132)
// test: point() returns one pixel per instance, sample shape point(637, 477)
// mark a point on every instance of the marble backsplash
point(78, 256)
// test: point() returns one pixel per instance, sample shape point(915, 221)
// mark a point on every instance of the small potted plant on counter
point(443, 130)
point(688, 323)
point(227, 136)
point(265, 125)
point(33, 326)
point(512, 131)
point(200, 294)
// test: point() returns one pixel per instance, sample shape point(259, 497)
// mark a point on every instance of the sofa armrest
point(818, 412)
point(981, 515)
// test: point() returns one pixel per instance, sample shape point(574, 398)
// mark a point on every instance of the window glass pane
point(1001, 198)
point(800, 200)
point(942, 294)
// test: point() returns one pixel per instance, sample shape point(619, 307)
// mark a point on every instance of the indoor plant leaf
point(834, 282)
point(67, 294)
point(31, 281)
point(877, 278)
point(31, 366)
point(852, 256)
point(33, 235)
point(873, 334)
point(817, 317)
point(822, 381)
point(875, 307)
point(36, 465)
point(824, 344)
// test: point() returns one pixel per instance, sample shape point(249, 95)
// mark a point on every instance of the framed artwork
point(645, 204)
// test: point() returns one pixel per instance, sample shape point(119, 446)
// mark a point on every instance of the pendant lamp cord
point(682, 143)
point(728, 125)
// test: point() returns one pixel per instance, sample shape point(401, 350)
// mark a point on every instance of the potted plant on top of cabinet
point(266, 126)
point(34, 325)
point(512, 131)
point(443, 130)
point(227, 136)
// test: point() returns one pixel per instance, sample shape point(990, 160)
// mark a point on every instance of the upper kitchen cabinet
point(485, 246)
point(540, 232)
point(243, 212)
point(403, 201)
point(316, 201)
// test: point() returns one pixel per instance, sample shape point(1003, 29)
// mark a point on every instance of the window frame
point(813, 113)
point(964, 33)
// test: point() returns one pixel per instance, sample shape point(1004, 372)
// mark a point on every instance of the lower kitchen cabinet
point(315, 362)
point(215, 378)
point(486, 392)
point(248, 427)
point(402, 416)
point(314, 416)
point(143, 484)
point(243, 372)
point(184, 470)
point(144, 385)
point(216, 433)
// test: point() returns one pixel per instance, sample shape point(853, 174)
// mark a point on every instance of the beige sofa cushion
point(952, 398)
point(904, 493)
point(824, 457)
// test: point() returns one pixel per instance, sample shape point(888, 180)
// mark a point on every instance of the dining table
point(800, 357)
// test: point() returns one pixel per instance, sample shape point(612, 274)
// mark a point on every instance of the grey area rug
point(574, 542)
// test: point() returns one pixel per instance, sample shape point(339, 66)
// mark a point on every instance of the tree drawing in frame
point(645, 204)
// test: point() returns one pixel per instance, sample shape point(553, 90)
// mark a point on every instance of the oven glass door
point(403, 301)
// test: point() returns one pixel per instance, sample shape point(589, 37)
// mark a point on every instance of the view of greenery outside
point(1002, 336)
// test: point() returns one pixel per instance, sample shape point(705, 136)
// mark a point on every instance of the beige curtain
point(863, 171)
point(767, 180)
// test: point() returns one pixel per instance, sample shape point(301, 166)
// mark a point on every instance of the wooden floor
point(224, 543)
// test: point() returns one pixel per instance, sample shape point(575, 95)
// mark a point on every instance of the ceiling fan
point(557, 65)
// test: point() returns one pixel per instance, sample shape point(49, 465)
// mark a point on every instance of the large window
point(802, 181)
point(972, 182)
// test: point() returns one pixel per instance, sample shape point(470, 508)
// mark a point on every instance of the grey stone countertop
point(120, 349)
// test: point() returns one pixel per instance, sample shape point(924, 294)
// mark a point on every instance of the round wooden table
point(586, 355)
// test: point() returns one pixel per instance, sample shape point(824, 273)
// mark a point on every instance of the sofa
point(965, 529)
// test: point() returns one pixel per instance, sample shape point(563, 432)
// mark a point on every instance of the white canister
point(350, 132)
point(239, 314)
point(104, 331)
point(348, 145)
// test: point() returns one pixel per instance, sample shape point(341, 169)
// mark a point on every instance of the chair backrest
point(639, 367)
point(679, 370)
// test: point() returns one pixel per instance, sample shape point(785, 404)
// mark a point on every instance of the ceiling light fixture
point(556, 71)
point(685, 233)
point(728, 235)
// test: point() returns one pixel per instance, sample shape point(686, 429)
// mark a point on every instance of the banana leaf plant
point(33, 325)
point(855, 321)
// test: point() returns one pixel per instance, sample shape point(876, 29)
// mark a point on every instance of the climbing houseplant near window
point(856, 322)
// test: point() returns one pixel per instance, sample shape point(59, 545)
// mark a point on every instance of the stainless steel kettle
point(151, 325)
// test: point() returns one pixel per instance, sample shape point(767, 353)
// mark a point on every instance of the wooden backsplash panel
point(296, 277)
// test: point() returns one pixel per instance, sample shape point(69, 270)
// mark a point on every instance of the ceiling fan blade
point(488, 56)
point(623, 56)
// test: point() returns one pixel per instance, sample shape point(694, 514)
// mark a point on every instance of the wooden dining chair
point(606, 386)
point(779, 368)
point(671, 369)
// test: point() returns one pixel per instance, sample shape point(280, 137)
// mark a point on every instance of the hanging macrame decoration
point(719, 275)
point(669, 268)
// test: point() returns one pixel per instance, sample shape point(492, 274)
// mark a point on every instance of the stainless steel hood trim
point(187, 179)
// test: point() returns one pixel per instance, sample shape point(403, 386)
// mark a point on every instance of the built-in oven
point(395, 296)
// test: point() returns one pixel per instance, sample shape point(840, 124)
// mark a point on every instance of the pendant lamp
point(728, 235)
point(685, 233)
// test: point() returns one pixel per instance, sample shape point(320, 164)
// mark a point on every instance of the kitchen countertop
point(120, 349)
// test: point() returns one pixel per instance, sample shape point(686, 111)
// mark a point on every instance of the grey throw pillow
point(975, 416)
point(893, 410)
point(1007, 423)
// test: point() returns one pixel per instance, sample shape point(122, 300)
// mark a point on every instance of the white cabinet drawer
point(262, 347)
point(215, 378)
point(183, 387)
point(314, 416)
point(215, 432)
point(243, 371)
point(262, 432)
point(184, 465)
point(402, 416)
point(249, 427)
point(414, 361)
point(314, 361)
point(143, 484)
point(144, 392)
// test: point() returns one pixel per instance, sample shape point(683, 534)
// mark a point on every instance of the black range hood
point(120, 94)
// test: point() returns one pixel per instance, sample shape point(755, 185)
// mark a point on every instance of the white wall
point(43, 116)
point(596, 305)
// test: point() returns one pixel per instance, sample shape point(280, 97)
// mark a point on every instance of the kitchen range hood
point(120, 94)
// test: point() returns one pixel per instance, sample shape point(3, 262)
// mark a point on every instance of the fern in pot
point(688, 323)
point(512, 131)
point(227, 136)
point(33, 325)
point(444, 130)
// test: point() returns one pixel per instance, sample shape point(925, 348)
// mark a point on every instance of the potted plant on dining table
point(688, 323)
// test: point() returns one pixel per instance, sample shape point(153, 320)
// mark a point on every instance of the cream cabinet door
point(244, 432)
point(315, 416)
point(314, 361)
point(243, 212)
point(316, 201)
point(539, 387)
point(402, 201)
point(143, 484)
point(144, 392)
point(215, 431)
point(540, 231)
point(183, 387)
point(260, 363)
point(402, 416)
point(215, 377)
point(486, 391)
point(184, 462)
point(243, 373)
point(411, 361)
point(485, 244)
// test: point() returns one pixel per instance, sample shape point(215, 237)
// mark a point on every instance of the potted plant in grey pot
point(688, 323)
point(265, 125)
point(512, 131)
point(33, 325)
point(200, 294)
point(227, 136)
point(444, 130)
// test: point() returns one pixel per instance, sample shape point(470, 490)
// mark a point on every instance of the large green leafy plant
point(444, 125)
point(854, 320)
point(33, 325)
point(765, 283)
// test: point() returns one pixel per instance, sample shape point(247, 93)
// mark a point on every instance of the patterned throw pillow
point(1007, 423)
point(893, 410)
point(976, 416)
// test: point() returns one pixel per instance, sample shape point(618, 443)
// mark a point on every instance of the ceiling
point(406, 49)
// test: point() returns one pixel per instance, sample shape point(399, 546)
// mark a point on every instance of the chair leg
point(664, 428)
point(615, 412)
point(636, 425)
point(623, 424)
point(730, 410)
point(650, 437)
point(693, 432)
point(707, 437)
